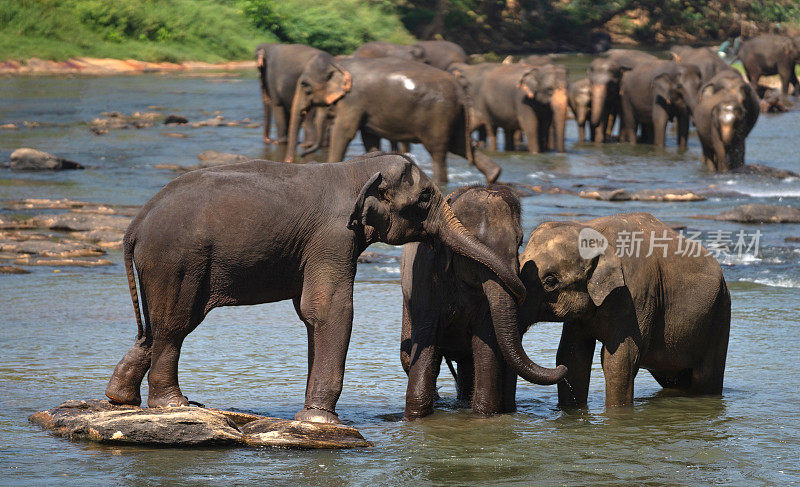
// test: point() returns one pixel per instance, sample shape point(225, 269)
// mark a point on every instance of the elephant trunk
point(299, 105)
point(599, 94)
point(559, 106)
point(726, 133)
point(443, 224)
point(509, 338)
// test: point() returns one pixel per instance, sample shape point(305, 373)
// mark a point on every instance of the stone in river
point(757, 213)
point(103, 422)
point(213, 158)
point(82, 222)
point(26, 159)
point(10, 269)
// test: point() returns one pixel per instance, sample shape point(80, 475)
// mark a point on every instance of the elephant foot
point(172, 401)
point(413, 414)
point(268, 140)
point(315, 415)
point(119, 393)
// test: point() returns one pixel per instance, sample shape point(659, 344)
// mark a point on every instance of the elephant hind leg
point(173, 317)
point(126, 381)
point(681, 379)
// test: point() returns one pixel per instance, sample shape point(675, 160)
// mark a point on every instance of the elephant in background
point(579, 96)
point(726, 111)
point(705, 58)
point(390, 98)
point(655, 93)
point(454, 308)
point(260, 232)
point(439, 54)
point(770, 54)
point(279, 66)
point(659, 308)
point(605, 76)
point(521, 97)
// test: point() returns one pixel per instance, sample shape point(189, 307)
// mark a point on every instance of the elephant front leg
point(487, 395)
point(620, 366)
point(422, 375)
point(683, 131)
point(328, 308)
point(576, 352)
point(660, 119)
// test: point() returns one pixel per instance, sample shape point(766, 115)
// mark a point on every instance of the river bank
point(108, 66)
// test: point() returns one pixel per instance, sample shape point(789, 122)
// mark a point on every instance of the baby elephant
point(453, 309)
point(661, 304)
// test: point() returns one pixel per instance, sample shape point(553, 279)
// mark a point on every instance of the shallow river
point(61, 333)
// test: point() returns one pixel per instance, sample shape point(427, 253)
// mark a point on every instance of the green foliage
point(336, 26)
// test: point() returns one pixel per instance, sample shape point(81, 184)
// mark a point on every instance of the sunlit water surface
point(62, 333)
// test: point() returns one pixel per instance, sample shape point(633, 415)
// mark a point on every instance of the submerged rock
point(211, 158)
point(176, 119)
point(82, 222)
point(27, 159)
point(103, 422)
point(766, 171)
point(10, 269)
point(757, 213)
point(664, 195)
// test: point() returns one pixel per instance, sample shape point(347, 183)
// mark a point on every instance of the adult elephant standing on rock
point(389, 98)
point(655, 93)
point(454, 308)
point(660, 308)
point(279, 66)
point(726, 111)
point(261, 232)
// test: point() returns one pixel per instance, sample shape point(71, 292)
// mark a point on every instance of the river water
point(61, 333)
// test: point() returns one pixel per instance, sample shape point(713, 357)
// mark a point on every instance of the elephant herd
point(262, 231)
point(428, 93)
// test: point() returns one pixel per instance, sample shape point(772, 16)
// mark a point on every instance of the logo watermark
point(691, 243)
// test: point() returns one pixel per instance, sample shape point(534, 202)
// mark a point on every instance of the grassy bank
point(182, 30)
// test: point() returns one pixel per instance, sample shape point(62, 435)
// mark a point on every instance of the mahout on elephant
point(260, 232)
point(705, 58)
point(654, 94)
point(579, 98)
point(771, 54)
point(403, 101)
point(605, 77)
point(725, 113)
point(661, 305)
point(520, 97)
point(454, 309)
point(279, 66)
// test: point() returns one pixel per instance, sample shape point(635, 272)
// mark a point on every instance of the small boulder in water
point(176, 119)
point(766, 171)
point(211, 158)
point(26, 159)
point(756, 213)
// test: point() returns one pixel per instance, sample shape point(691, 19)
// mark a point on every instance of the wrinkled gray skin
point(705, 58)
point(521, 97)
point(579, 96)
point(454, 308)
point(655, 93)
point(726, 111)
point(279, 66)
point(403, 101)
point(667, 314)
point(439, 54)
point(471, 77)
point(260, 232)
point(771, 54)
point(605, 75)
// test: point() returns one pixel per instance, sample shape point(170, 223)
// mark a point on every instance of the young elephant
point(453, 308)
point(726, 111)
point(579, 96)
point(403, 101)
point(655, 93)
point(261, 232)
point(664, 307)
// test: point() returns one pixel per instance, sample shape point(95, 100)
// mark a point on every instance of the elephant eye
point(550, 281)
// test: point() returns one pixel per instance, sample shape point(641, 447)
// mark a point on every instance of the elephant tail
point(127, 251)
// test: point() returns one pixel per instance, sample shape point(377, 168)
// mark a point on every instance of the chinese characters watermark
point(691, 243)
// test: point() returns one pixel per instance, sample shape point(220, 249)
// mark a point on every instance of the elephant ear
point(338, 84)
point(675, 57)
point(606, 275)
point(661, 88)
point(366, 203)
point(706, 91)
point(528, 84)
point(261, 59)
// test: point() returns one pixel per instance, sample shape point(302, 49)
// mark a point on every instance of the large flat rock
point(103, 422)
point(757, 213)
